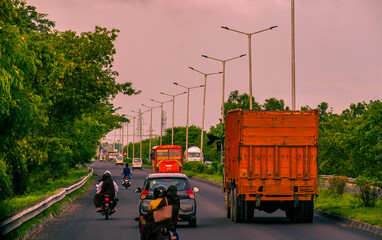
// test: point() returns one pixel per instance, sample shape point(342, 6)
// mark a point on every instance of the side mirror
point(195, 189)
point(138, 190)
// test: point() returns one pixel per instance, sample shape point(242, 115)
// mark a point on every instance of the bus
point(166, 158)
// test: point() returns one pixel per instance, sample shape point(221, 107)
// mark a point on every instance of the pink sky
point(338, 50)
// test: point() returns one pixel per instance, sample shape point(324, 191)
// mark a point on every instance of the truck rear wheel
point(308, 211)
point(238, 207)
point(249, 209)
point(227, 204)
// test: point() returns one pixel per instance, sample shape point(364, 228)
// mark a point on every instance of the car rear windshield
point(137, 160)
point(181, 183)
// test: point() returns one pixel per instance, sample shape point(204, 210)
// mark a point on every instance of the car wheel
point(192, 223)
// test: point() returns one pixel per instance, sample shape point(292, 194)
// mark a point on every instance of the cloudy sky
point(338, 50)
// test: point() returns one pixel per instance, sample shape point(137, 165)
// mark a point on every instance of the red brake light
point(107, 199)
point(144, 194)
point(190, 193)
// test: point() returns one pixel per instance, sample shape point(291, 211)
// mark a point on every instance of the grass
point(55, 209)
point(348, 206)
point(213, 177)
point(15, 204)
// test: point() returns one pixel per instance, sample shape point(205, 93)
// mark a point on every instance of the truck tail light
point(144, 194)
point(190, 193)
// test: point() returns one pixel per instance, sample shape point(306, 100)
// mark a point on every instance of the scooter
point(126, 182)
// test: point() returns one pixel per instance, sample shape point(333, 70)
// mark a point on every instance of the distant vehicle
point(137, 163)
point(187, 212)
point(119, 161)
point(166, 158)
point(194, 154)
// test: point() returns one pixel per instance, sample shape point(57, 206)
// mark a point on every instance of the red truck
point(270, 163)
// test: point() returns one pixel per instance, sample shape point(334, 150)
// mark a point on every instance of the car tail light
point(107, 199)
point(190, 193)
point(144, 194)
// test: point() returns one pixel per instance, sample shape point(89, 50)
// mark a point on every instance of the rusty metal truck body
point(270, 163)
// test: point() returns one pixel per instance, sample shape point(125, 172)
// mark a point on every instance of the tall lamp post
point(250, 57)
point(140, 130)
point(133, 134)
point(204, 102)
point(188, 107)
point(173, 111)
point(161, 117)
point(293, 59)
point(151, 123)
point(223, 88)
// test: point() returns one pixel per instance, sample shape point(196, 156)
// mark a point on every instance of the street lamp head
point(175, 83)
point(191, 68)
point(272, 27)
point(201, 86)
point(204, 56)
point(152, 99)
point(220, 72)
point(162, 93)
point(225, 28)
point(242, 55)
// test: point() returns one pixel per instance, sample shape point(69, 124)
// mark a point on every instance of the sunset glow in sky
point(338, 50)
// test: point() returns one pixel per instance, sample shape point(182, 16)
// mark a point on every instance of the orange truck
point(270, 163)
point(166, 158)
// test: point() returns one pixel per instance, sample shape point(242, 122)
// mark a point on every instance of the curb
point(343, 221)
point(351, 223)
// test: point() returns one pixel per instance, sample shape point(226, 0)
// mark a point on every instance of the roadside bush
point(367, 191)
point(337, 184)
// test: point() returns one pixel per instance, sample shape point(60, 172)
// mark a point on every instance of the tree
point(274, 104)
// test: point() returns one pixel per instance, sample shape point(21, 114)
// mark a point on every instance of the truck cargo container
point(270, 163)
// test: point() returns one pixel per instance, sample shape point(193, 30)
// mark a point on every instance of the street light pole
point(293, 59)
point(223, 82)
point(188, 108)
point(223, 88)
point(173, 111)
point(140, 130)
point(250, 57)
point(161, 117)
point(133, 133)
point(204, 103)
point(151, 123)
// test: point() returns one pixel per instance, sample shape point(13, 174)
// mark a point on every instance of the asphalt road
point(80, 221)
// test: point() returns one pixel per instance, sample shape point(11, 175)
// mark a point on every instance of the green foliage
point(367, 191)
point(348, 206)
point(55, 92)
point(337, 185)
point(351, 143)
point(274, 104)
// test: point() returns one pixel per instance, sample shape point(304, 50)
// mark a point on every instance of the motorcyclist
point(126, 172)
point(152, 230)
point(106, 187)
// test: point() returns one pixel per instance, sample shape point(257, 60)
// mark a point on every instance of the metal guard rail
point(15, 221)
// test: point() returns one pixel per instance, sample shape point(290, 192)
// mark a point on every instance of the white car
point(119, 160)
point(137, 163)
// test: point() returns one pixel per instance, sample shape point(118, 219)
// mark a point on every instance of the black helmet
point(160, 191)
point(106, 174)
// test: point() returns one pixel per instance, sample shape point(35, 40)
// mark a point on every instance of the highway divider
point(15, 221)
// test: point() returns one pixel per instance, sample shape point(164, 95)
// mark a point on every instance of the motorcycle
point(108, 206)
point(126, 182)
point(169, 235)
